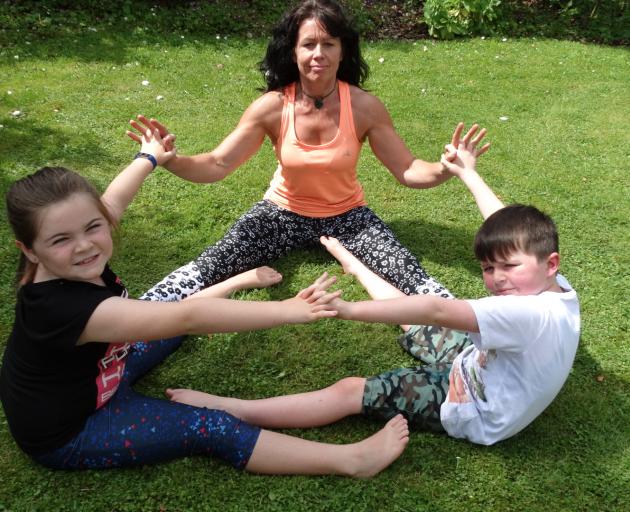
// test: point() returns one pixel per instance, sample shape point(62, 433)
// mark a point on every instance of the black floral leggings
point(267, 232)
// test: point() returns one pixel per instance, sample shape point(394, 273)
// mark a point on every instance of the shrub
point(449, 18)
point(599, 20)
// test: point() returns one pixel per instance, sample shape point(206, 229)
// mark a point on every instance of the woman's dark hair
point(516, 227)
point(27, 197)
point(279, 68)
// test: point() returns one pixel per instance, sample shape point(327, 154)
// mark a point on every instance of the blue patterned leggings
point(134, 429)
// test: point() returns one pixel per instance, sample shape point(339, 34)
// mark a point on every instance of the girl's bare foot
point(378, 451)
point(347, 260)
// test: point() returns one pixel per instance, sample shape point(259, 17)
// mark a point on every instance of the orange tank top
point(317, 181)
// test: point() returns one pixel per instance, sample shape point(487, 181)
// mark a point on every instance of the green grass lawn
point(557, 116)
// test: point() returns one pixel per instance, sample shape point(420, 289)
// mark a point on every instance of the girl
point(74, 353)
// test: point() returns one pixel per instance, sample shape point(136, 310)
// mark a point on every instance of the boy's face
point(521, 274)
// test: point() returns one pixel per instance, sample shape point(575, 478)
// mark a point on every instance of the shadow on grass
point(112, 44)
point(581, 437)
point(26, 143)
point(429, 241)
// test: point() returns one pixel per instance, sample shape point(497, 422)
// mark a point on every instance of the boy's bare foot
point(260, 277)
point(378, 451)
point(346, 259)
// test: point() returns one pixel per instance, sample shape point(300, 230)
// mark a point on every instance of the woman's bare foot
point(201, 399)
point(378, 451)
point(261, 277)
point(346, 259)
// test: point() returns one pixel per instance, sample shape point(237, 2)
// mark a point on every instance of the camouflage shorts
point(434, 345)
point(416, 393)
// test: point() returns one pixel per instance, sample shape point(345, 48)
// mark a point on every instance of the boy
point(493, 364)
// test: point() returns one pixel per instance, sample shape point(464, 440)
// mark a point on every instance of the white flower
point(16, 57)
point(159, 97)
point(503, 118)
point(145, 82)
point(381, 60)
point(504, 39)
point(1, 126)
point(218, 37)
point(424, 48)
point(483, 37)
point(9, 92)
point(16, 113)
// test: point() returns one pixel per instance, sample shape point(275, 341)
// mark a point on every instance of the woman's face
point(317, 53)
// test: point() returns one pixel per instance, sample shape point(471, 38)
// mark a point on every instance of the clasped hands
point(144, 126)
point(462, 152)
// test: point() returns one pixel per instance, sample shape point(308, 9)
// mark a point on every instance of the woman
point(317, 117)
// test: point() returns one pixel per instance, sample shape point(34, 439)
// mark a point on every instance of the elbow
point(186, 318)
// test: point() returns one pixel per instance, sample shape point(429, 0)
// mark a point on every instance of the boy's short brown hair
point(513, 228)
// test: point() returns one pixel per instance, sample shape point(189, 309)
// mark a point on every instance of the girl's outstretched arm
point(125, 186)
point(127, 320)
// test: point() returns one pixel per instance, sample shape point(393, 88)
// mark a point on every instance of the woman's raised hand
point(144, 124)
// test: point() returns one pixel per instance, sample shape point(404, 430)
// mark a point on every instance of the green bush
point(449, 18)
point(605, 21)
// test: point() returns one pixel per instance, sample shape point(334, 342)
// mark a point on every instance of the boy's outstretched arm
point(411, 310)
point(125, 186)
point(464, 167)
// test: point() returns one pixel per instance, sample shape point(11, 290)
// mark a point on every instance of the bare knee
point(349, 388)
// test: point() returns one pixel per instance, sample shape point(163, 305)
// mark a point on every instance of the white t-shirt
point(516, 366)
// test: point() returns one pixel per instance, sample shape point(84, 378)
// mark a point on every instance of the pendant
point(319, 103)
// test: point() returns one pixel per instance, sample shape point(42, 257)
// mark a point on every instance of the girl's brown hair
point(27, 197)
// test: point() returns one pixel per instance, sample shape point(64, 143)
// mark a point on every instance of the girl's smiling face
point(74, 241)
